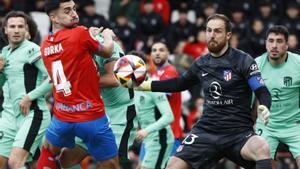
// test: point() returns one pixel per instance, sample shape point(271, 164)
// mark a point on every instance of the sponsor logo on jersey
point(275, 94)
point(83, 106)
point(227, 74)
point(54, 49)
point(220, 102)
point(215, 90)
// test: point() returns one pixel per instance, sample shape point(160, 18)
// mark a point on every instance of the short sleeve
point(4, 52)
point(249, 67)
point(87, 40)
point(33, 53)
point(191, 73)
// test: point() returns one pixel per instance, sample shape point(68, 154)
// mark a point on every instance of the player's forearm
point(106, 48)
point(108, 81)
point(161, 123)
point(41, 90)
point(166, 115)
point(264, 97)
point(172, 85)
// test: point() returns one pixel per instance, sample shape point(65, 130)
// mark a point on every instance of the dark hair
point(278, 29)
point(88, 3)
point(162, 41)
point(32, 27)
point(223, 18)
point(140, 54)
point(51, 5)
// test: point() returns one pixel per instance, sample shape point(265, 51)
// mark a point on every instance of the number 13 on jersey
point(59, 79)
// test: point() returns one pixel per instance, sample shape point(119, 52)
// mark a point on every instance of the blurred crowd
point(180, 24)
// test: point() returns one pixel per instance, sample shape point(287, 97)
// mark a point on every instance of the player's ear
point(52, 17)
point(287, 46)
point(5, 29)
point(228, 35)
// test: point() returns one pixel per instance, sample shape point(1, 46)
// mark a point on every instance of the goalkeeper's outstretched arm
point(171, 85)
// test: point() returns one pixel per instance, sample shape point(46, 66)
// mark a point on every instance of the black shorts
point(202, 149)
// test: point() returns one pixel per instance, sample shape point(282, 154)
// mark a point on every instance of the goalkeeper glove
point(145, 86)
point(263, 113)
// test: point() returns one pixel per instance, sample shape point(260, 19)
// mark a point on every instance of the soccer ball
point(130, 71)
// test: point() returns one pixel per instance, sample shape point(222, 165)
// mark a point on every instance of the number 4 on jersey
point(59, 79)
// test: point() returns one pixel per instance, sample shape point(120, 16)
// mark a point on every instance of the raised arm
point(106, 48)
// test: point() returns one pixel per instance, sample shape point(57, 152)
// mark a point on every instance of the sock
point(264, 164)
point(46, 159)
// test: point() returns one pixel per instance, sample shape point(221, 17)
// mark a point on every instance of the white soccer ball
point(130, 71)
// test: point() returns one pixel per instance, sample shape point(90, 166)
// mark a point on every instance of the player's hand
point(94, 31)
point(263, 113)
point(109, 32)
point(2, 63)
point(141, 134)
point(145, 86)
point(24, 105)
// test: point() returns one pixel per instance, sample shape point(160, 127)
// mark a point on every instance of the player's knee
point(111, 163)
point(15, 163)
point(51, 148)
point(176, 162)
point(262, 148)
point(67, 161)
point(298, 161)
point(170, 166)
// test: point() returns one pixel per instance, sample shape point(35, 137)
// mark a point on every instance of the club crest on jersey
point(227, 75)
point(288, 81)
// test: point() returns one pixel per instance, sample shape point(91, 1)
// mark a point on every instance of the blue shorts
point(95, 134)
point(142, 152)
point(177, 143)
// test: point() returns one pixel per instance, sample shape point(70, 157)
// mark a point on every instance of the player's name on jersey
point(54, 49)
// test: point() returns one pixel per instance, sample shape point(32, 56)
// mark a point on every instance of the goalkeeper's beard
point(215, 47)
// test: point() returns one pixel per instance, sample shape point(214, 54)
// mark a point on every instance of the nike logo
point(204, 74)
point(249, 135)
